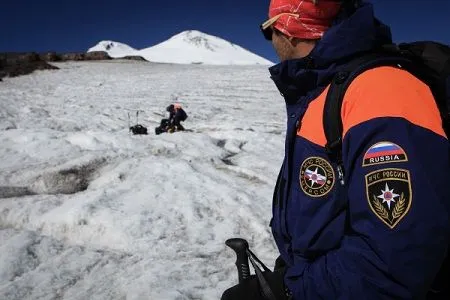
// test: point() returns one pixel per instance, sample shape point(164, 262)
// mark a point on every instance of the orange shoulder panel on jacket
point(381, 92)
point(312, 124)
point(390, 92)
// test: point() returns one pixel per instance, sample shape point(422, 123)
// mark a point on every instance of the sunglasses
point(266, 27)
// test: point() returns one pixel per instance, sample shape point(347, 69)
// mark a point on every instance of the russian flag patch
point(384, 152)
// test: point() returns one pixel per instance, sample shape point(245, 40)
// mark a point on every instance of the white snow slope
point(187, 47)
point(114, 49)
point(88, 211)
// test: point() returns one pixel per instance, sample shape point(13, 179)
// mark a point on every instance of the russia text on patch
point(384, 152)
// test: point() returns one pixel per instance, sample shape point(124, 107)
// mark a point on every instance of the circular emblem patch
point(316, 176)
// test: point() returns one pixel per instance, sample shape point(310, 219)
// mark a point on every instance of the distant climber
point(173, 123)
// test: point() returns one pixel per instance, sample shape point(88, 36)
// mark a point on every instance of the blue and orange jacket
point(385, 233)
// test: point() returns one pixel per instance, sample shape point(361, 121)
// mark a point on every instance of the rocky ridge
point(14, 64)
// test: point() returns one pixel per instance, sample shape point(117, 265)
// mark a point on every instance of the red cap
point(315, 17)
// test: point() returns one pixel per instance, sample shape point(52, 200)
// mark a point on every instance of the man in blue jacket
point(382, 230)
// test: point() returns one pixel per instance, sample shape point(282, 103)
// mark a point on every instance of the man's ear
point(295, 41)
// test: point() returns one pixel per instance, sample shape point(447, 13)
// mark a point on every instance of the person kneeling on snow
point(177, 115)
point(172, 124)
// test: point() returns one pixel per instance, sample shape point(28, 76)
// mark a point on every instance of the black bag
point(428, 61)
point(182, 114)
point(163, 126)
point(138, 129)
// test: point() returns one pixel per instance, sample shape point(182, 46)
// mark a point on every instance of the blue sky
point(78, 25)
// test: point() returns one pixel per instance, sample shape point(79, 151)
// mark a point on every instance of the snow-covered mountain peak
point(200, 40)
point(187, 47)
point(114, 49)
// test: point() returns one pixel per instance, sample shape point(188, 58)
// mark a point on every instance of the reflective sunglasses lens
point(267, 33)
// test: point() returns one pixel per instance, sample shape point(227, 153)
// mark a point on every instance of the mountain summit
point(114, 49)
point(187, 47)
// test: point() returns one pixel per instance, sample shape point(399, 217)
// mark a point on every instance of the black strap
point(439, 289)
point(444, 100)
point(332, 119)
point(276, 191)
point(265, 287)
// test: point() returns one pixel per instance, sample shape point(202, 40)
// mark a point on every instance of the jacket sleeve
point(396, 158)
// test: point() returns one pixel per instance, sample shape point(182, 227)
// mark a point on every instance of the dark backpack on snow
point(138, 129)
point(163, 126)
point(428, 61)
point(182, 114)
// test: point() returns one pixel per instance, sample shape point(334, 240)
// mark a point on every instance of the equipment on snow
point(182, 114)
point(163, 127)
point(138, 128)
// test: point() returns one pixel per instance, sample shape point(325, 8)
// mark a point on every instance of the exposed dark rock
point(50, 56)
point(134, 57)
point(16, 64)
point(2, 60)
point(27, 68)
point(73, 56)
point(97, 55)
point(21, 63)
point(29, 57)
